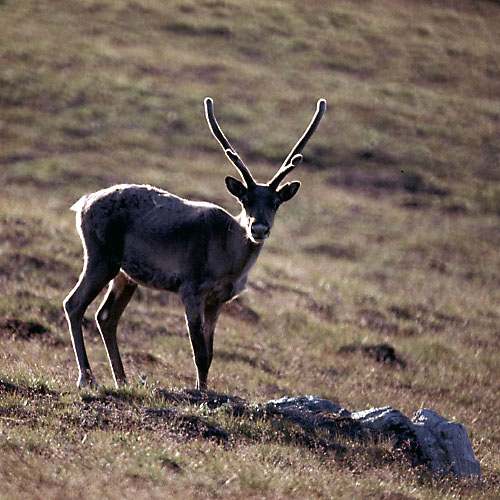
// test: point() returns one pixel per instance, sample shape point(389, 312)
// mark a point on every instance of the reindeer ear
point(288, 191)
point(235, 187)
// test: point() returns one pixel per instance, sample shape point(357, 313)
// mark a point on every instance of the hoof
point(87, 381)
point(201, 387)
point(120, 383)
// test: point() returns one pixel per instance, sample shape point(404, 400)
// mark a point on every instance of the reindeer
point(140, 235)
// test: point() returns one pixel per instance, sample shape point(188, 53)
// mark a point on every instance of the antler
point(226, 146)
point(291, 160)
point(284, 171)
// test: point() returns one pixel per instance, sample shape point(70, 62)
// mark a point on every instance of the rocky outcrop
point(428, 439)
point(445, 444)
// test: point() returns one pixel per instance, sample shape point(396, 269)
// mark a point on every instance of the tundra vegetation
point(392, 239)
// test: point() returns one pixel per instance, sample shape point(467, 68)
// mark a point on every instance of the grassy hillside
point(393, 238)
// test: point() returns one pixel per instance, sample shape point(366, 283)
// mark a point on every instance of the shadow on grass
point(226, 420)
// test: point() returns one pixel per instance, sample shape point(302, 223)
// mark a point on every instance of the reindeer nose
point(260, 231)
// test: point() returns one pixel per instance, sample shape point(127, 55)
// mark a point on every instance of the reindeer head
point(261, 201)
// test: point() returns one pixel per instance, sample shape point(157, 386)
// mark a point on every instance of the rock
point(389, 423)
point(309, 404)
point(446, 445)
point(312, 412)
point(430, 439)
point(385, 419)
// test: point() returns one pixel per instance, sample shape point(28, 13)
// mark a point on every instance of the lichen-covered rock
point(312, 412)
point(431, 440)
point(392, 424)
point(445, 444)
point(385, 420)
point(309, 404)
point(428, 440)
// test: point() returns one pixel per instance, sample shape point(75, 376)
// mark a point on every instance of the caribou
point(141, 235)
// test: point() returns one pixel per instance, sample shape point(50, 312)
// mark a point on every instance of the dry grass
point(392, 239)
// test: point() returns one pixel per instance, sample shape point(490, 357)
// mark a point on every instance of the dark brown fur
point(138, 234)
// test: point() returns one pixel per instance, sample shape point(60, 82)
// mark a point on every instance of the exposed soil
point(23, 330)
point(37, 391)
point(141, 358)
point(381, 353)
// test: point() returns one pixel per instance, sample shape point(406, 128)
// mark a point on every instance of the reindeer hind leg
point(98, 270)
point(120, 292)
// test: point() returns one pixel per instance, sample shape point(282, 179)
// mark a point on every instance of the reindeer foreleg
point(195, 320)
point(211, 315)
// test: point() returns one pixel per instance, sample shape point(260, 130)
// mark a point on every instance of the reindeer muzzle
point(260, 232)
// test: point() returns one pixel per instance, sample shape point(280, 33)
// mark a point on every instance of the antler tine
point(284, 171)
point(293, 158)
point(226, 146)
point(320, 110)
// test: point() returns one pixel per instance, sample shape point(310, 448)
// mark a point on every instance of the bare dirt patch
point(23, 390)
point(141, 358)
point(23, 330)
point(381, 353)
